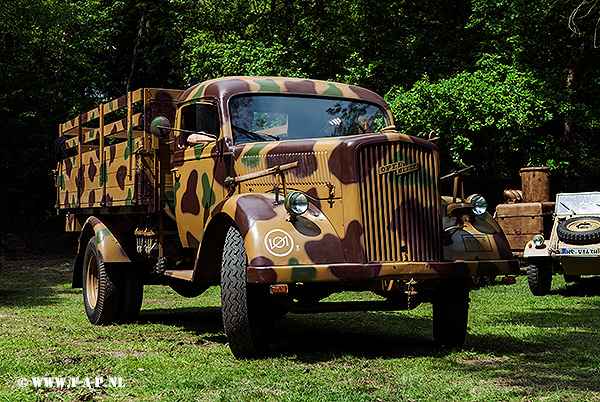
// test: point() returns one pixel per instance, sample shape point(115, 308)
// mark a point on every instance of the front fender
point(531, 251)
point(274, 238)
point(478, 238)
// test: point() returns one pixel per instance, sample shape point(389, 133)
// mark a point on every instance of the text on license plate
point(581, 251)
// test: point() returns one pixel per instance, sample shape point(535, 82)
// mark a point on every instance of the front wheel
point(451, 313)
point(245, 318)
point(539, 277)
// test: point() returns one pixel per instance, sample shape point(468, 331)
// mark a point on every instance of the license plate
point(582, 252)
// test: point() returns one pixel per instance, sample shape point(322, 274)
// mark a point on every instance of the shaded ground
point(520, 347)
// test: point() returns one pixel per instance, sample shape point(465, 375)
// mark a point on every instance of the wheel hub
point(583, 226)
point(91, 281)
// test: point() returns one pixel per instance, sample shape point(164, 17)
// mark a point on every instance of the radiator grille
point(400, 202)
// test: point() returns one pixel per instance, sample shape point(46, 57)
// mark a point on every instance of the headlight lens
point(538, 240)
point(479, 204)
point(296, 203)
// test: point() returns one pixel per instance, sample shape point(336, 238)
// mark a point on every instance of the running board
point(185, 274)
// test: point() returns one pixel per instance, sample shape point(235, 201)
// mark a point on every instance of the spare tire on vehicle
point(580, 230)
point(60, 150)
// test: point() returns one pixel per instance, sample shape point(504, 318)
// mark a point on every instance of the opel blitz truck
point(282, 191)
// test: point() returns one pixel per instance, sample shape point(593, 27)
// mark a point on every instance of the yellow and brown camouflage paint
point(375, 211)
point(112, 167)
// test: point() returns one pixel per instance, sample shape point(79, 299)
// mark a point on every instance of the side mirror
point(160, 126)
point(432, 137)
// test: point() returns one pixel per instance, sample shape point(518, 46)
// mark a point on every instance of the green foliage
point(491, 110)
point(234, 56)
point(510, 78)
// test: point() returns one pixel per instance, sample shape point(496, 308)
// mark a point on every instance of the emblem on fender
point(279, 242)
point(399, 168)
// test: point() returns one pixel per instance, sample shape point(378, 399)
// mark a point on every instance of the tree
point(512, 103)
point(511, 78)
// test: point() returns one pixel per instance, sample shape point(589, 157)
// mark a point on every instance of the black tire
point(247, 324)
point(100, 288)
point(60, 150)
point(131, 292)
point(451, 313)
point(580, 230)
point(539, 277)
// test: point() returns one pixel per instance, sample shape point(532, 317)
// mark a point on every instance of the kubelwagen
point(573, 246)
point(283, 191)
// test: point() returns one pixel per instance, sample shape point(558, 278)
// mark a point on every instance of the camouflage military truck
point(282, 191)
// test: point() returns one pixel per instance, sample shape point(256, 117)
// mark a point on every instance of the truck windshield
point(259, 117)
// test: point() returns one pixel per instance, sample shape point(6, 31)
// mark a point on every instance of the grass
point(519, 348)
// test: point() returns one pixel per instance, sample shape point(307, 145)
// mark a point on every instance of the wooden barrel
point(535, 183)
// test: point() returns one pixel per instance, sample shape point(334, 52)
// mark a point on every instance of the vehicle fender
point(272, 237)
point(531, 251)
point(110, 249)
point(478, 238)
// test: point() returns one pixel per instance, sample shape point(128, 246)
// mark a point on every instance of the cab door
point(196, 160)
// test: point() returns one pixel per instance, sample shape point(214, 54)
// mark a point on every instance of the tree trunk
point(136, 45)
point(569, 87)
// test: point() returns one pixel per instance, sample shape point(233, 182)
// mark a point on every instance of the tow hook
point(410, 288)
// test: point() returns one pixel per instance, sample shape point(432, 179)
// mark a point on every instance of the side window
point(200, 117)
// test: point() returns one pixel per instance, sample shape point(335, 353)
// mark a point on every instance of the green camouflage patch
point(208, 195)
point(303, 273)
point(268, 85)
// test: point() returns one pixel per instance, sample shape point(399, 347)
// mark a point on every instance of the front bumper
point(374, 271)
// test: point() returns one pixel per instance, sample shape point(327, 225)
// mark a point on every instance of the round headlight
point(479, 204)
point(538, 240)
point(296, 203)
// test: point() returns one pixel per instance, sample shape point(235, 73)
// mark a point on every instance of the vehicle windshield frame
point(302, 116)
point(578, 203)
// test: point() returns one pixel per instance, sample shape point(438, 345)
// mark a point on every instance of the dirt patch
point(478, 361)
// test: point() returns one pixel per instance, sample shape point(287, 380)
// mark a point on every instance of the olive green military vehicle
point(282, 191)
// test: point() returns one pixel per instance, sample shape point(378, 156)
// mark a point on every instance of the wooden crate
point(521, 221)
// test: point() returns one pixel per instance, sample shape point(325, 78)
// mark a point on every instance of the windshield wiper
point(563, 204)
point(259, 136)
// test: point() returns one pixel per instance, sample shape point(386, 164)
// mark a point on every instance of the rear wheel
point(100, 295)
point(246, 321)
point(112, 293)
point(451, 313)
point(131, 292)
point(539, 276)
